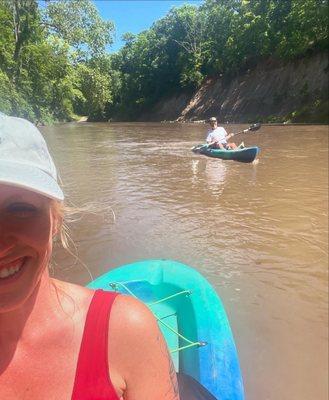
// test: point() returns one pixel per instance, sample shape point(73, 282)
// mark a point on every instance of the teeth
point(13, 269)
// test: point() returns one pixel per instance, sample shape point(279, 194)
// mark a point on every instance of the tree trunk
point(23, 12)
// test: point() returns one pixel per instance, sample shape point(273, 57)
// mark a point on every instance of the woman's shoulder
point(133, 328)
point(129, 318)
point(132, 316)
point(127, 313)
point(139, 352)
point(135, 344)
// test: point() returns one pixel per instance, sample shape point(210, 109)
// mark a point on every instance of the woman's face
point(27, 226)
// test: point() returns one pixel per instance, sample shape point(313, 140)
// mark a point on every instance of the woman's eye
point(22, 210)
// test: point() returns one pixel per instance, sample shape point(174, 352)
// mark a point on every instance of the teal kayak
point(191, 317)
point(246, 154)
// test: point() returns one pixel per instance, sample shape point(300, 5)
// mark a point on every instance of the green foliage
point(78, 23)
point(95, 88)
point(53, 61)
point(44, 56)
point(316, 112)
point(220, 38)
point(7, 94)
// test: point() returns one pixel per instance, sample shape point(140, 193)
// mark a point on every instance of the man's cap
point(25, 160)
point(212, 119)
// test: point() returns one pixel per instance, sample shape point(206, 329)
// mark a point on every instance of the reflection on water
point(212, 171)
point(215, 174)
point(259, 232)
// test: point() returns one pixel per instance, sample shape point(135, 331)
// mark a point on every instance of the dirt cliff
point(295, 91)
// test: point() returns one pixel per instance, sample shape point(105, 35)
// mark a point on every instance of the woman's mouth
point(10, 269)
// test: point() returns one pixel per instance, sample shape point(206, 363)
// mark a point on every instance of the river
point(258, 232)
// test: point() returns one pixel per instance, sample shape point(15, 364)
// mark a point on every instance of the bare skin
point(141, 350)
point(42, 319)
point(217, 145)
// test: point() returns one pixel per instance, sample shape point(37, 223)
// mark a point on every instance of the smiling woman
point(93, 344)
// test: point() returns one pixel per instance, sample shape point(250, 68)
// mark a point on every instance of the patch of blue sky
point(135, 16)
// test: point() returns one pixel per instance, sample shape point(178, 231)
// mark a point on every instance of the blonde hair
point(66, 215)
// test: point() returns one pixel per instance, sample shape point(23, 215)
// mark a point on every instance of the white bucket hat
point(25, 160)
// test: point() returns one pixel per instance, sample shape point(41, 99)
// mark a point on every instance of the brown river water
point(258, 232)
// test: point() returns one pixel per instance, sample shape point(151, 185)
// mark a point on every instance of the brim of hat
point(31, 178)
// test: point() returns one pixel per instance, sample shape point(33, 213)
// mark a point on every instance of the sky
point(135, 15)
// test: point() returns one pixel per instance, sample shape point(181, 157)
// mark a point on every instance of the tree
point(186, 27)
point(24, 22)
point(94, 82)
point(40, 52)
point(79, 24)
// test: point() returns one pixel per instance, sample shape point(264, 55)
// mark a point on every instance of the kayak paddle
point(252, 128)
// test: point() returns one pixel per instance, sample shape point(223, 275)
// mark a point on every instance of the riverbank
point(274, 91)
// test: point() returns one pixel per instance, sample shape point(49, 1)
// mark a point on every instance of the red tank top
point(92, 381)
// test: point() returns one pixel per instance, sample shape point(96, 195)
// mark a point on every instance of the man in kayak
point(217, 137)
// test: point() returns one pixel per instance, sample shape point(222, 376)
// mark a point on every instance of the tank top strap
point(92, 379)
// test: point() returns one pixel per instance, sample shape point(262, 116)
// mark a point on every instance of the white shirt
point(217, 135)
